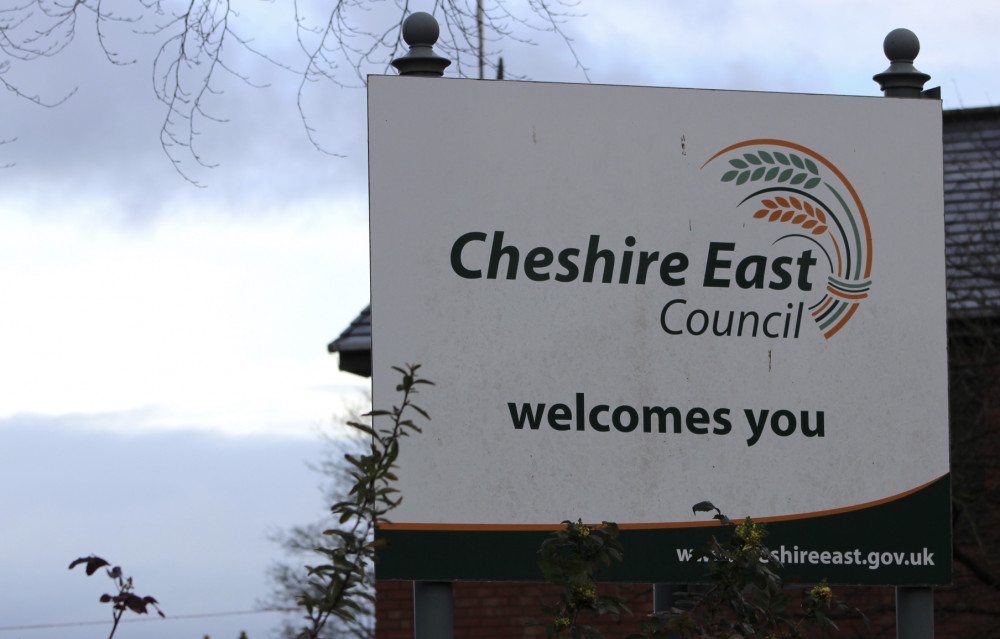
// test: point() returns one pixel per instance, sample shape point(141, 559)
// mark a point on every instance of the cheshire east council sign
point(635, 299)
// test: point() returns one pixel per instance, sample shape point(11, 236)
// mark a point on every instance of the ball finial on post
point(901, 79)
point(421, 31)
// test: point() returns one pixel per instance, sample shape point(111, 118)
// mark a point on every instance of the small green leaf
point(811, 183)
point(364, 428)
point(757, 174)
point(798, 179)
point(729, 176)
point(752, 159)
point(764, 155)
point(739, 164)
point(742, 179)
point(781, 157)
point(811, 167)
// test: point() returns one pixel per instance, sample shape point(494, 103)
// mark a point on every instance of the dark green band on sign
point(904, 542)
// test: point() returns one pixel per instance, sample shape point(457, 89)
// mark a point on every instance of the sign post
point(914, 605)
point(432, 601)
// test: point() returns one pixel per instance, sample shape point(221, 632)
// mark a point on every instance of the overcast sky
point(163, 364)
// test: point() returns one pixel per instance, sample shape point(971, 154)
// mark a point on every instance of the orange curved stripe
point(840, 258)
point(829, 165)
point(819, 310)
point(650, 526)
point(495, 527)
point(843, 320)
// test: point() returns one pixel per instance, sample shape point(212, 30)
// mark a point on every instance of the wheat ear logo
point(806, 196)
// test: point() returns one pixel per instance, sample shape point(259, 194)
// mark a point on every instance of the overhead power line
point(106, 622)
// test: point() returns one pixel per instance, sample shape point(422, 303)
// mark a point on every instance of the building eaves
point(354, 345)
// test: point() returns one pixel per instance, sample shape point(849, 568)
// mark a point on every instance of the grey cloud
point(185, 513)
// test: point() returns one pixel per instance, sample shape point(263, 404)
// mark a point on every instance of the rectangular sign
point(635, 299)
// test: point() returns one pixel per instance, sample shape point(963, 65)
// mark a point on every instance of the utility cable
point(106, 622)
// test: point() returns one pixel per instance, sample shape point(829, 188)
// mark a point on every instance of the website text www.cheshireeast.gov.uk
point(873, 560)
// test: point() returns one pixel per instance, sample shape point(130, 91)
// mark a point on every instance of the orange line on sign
point(840, 259)
point(820, 309)
point(647, 526)
point(847, 509)
point(843, 320)
point(495, 527)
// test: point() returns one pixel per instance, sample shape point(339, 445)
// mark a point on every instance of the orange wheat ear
point(793, 210)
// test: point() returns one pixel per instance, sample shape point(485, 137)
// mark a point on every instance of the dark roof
point(972, 210)
point(971, 140)
point(355, 345)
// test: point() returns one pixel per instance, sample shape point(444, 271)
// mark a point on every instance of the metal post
point(433, 608)
point(433, 613)
point(914, 612)
point(664, 599)
point(914, 605)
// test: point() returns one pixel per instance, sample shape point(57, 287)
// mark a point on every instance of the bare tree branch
point(199, 41)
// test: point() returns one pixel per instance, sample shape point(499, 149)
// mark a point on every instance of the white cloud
point(828, 46)
point(210, 320)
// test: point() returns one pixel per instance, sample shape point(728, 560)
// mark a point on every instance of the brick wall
point(484, 610)
point(488, 610)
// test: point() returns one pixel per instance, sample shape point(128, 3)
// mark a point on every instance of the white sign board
point(634, 299)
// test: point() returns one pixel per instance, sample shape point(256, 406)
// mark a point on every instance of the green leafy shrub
point(747, 596)
point(339, 588)
point(570, 558)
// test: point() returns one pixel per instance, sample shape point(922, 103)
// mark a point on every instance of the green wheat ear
point(773, 167)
